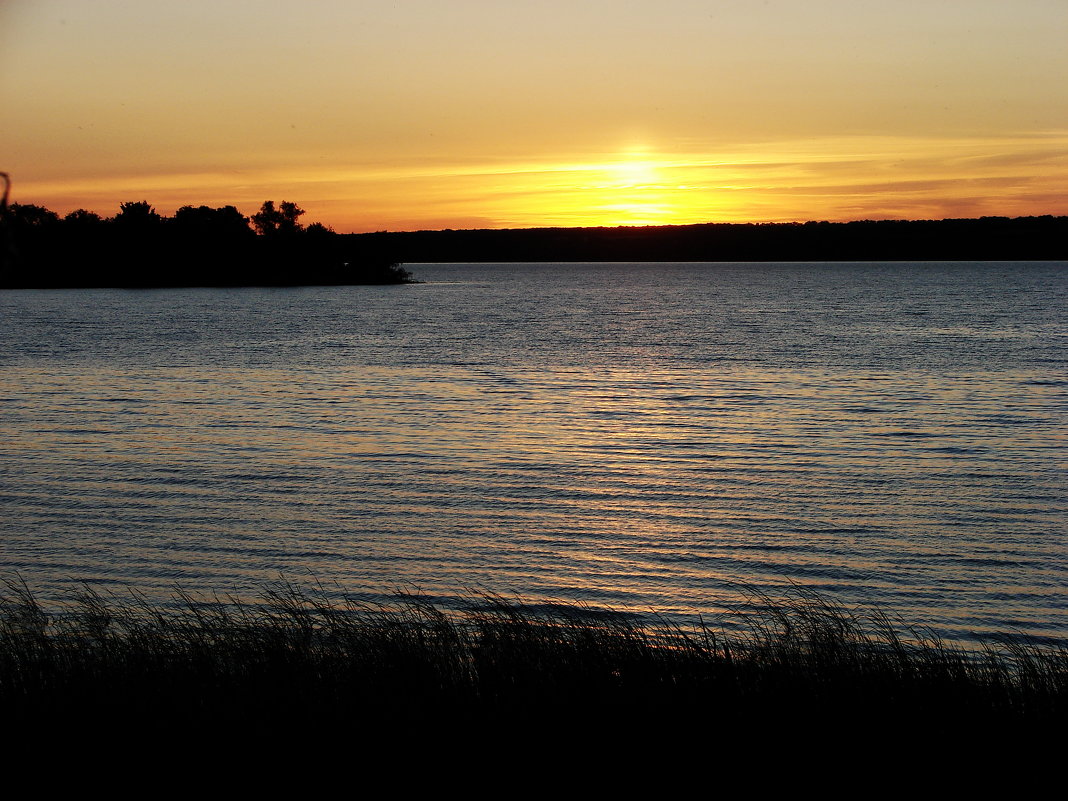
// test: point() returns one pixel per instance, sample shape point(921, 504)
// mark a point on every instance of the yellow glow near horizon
point(631, 194)
point(634, 173)
point(834, 178)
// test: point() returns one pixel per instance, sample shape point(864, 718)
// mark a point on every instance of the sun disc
point(634, 173)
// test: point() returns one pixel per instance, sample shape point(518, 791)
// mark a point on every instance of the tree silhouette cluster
point(282, 221)
point(198, 246)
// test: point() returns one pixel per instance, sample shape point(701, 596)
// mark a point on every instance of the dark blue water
point(631, 435)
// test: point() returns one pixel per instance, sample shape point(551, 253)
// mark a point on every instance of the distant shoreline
point(984, 239)
point(43, 252)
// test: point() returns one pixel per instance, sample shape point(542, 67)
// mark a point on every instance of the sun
point(633, 173)
point(632, 192)
point(622, 188)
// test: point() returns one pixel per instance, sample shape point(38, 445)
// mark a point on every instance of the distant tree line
point(198, 246)
point(205, 246)
point(985, 238)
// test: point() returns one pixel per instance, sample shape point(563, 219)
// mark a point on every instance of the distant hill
point(986, 238)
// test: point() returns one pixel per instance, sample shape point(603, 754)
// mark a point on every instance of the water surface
point(632, 435)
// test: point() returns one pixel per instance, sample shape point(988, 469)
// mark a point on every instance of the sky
point(515, 114)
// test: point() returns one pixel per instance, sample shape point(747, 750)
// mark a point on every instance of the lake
point(640, 436)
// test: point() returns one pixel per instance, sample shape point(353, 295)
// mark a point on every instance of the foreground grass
point(297, 657)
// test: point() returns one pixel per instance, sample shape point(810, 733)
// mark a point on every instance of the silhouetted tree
point(290, 213)
point(206, 221)
point(270, 221)
point(83, 217)
point(27, 215)
point(140, 214)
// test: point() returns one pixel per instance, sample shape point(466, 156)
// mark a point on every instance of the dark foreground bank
point(198, 246)
point(297, 658)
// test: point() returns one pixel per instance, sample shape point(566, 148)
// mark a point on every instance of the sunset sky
point(477, 114)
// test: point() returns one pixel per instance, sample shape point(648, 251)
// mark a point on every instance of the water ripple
point(623, 435)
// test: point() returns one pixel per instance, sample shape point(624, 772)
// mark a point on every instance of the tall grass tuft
point(297, 656)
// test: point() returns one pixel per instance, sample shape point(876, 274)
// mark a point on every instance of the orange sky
point(470, 113)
